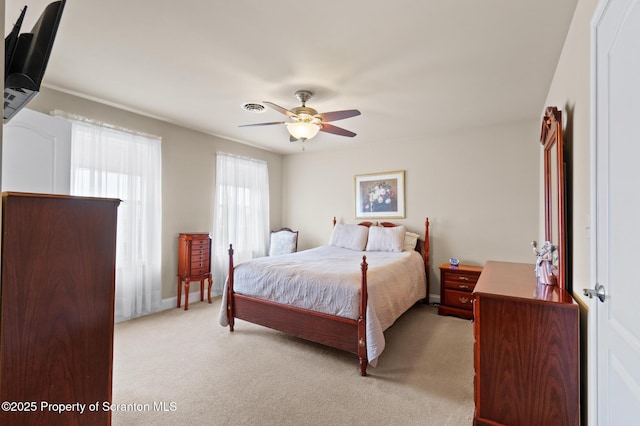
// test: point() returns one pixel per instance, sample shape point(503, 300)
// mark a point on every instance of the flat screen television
point(26, 58)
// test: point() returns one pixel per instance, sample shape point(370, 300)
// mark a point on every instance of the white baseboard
point(172, 302)
point(434, 299)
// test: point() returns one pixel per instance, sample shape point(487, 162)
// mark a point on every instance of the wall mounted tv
point(26, 58)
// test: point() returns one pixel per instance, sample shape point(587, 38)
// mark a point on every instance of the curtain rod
point(241, 157)
point(75, 117)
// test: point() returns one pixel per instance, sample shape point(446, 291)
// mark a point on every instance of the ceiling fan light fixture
point(303, 130)
point(305, 122)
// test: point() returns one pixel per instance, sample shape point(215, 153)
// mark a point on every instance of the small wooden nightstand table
point(456, 286)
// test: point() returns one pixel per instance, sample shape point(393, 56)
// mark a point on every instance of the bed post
point(230, 316)
point(426, 254)
point(362, 323)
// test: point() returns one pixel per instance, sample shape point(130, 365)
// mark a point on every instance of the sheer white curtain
point(241, 214)
point(113, 163)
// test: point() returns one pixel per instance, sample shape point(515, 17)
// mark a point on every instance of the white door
point(36, 154)
point(617, 210)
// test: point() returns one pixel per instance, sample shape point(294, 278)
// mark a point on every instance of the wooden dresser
point(194, 264)
point(526, 352)
point(456, 285)
point(56, 308)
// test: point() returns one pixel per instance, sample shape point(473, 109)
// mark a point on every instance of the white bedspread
point(327, 279)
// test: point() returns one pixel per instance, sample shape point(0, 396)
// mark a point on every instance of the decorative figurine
point(544, 263)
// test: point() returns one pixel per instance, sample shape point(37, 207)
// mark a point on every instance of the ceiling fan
point(306, 122)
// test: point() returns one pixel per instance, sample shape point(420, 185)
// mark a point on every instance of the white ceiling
point(412, 67)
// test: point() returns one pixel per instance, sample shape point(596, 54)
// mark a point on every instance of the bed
point(343, 295)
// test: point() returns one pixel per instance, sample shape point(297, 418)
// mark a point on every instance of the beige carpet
point(182, 368)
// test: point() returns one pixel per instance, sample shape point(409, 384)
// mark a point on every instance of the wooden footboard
point(330, 330)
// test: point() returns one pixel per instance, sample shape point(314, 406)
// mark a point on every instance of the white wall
point(188, 172)
point(479, 188)
point(36, 153)
point(571, 91)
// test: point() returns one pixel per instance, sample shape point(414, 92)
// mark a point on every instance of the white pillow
point(410, 241)
point(353, 237)
point(282, 242)
point(386, 239)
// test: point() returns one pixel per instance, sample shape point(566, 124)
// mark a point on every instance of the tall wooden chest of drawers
point(526, 353)
point(194, 264)
point(56, 308)
point(456, 287)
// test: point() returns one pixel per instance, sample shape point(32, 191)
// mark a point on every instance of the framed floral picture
point(380, 195)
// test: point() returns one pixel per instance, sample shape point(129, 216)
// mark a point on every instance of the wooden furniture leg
point(208, 278)
point(187, 282)
point(179, 291)
point(230, 313)
point(186, 293)
point(362, 327)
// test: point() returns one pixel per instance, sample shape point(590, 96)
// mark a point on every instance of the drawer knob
point(463, 278)
point(463, 299)
point(463, 286)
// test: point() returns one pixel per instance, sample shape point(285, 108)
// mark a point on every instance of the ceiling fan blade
point(338, 115)
point(262, 124)
point(329, 128)
point(280, 109)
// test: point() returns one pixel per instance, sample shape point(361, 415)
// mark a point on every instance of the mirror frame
point(554, 188)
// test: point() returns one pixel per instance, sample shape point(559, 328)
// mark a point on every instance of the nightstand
point(456, 286)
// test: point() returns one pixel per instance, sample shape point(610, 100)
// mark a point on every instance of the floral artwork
point(380, 195)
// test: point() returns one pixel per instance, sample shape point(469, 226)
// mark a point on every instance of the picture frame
point(380, 195)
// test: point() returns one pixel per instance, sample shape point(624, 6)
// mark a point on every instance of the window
point(241, 213)
point(113, 163)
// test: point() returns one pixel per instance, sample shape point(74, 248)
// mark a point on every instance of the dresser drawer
point(194, 254)
point(201, 242)
point(458, 299)
point(199, 253)
point(197, 262)
point(200, 270)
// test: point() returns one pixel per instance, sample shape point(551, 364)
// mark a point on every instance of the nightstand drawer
point(459, 280)
point(458, 299)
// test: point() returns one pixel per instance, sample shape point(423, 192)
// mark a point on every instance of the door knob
point(598, 292)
